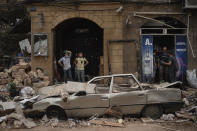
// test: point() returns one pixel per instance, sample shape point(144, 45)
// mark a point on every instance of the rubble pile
point(20, 76)
point(78, 123)
point(190, 105)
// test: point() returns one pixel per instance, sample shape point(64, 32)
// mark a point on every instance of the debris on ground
point(20, 76)
point(7, 108)
point(106, 123)
point(19, 89)
point(147, 120)
point(168, 117)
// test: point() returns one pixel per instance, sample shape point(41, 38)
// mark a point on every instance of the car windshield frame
point(112, 80)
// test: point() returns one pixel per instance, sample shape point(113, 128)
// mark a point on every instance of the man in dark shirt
point(164, 65)
point(173, 67)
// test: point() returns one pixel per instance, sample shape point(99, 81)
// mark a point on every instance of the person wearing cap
point(65, 63)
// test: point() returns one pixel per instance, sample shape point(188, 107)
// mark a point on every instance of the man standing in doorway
point(164, 65)
point(65, 63)
point(173, 67)
point(81, 62)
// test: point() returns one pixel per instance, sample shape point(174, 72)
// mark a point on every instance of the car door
point(127, 95)
point(91, 104)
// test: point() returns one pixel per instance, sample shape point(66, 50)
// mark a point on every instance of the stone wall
point(109, 20)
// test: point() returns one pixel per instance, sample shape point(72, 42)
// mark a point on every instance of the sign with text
point(181, 56)
point(147, 58)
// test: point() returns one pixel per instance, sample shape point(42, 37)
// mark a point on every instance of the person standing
point(173, 68)
point(81, 62)
point(164, 64)
point(65, 63)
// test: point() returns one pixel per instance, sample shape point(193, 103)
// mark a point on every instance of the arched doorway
point(163, 32)
point(79, 35)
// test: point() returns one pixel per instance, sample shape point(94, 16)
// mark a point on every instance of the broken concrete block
point(185, 116)
point(147, 120)
point(17, 124)
point(41, 84)
point(6, 108)
point(45, 78)
point(3, 124)
point(40, 74)
point(45, 119)
point(3, 75)
point(24, 65)
point(4, 81)
point(27, 122)
point(27, 82)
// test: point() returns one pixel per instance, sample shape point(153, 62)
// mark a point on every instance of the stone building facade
point(122, 29)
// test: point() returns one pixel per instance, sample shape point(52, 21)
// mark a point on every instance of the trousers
point(67, 75)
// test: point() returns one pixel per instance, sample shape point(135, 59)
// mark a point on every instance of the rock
point(185, 115)
point(186, 102)
point(54, 122)
point(41, 84)
point(120, 121)
point(40, 74)
point(147, 120)
point(45, 78)
point(3, 75)
point(27, 82)
point(27, 122)
point(17, 124)
point(7, 108)
point(3, 124)
point(168, 117)
point(45, 119)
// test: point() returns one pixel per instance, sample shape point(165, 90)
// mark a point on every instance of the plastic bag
point(191, 78)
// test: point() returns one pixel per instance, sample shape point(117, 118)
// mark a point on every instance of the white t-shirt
point(66, 62)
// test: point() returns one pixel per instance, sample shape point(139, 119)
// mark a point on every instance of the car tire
point(55, 112)
point(152, 111)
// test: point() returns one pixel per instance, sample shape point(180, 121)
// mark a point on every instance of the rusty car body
point(121, 91)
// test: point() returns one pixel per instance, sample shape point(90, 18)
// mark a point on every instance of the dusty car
point(121, 91)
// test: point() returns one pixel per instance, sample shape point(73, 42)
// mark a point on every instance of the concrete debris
point(120, 121)
point(147, 120)
point(186, 102)
point(107, 123)
point(7, 108)
point(168, 117)
point(27, 92)
point(45, 119)
point(18, 121)
point(22, 76)
point(186, 115)
point(95, 116)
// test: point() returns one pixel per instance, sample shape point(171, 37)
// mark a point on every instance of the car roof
point(115, 75)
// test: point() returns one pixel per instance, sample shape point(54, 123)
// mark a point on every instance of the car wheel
point(55, 112)
point(152, 111)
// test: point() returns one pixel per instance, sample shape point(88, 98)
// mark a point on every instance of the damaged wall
point(115, 25)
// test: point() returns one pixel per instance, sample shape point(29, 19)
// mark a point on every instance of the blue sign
point(181, 56)
point(147, 58)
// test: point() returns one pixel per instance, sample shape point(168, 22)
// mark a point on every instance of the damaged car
point(121, 92)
